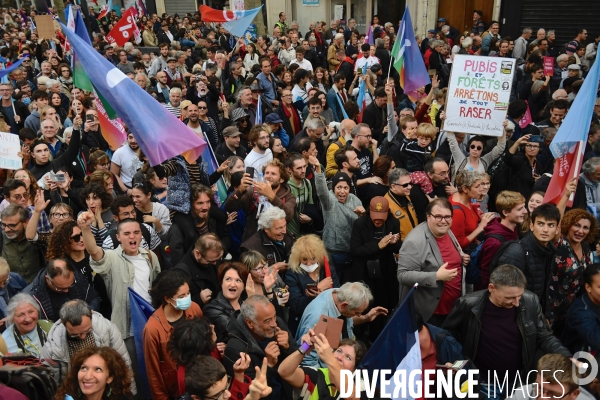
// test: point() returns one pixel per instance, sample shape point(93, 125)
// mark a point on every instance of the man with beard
point(201, 264)
point(231, 145)
point(194, 120)
point(159, 63)
point(146, 60)
point(362, 141)
point(149, 37)
point(301, 189)
point(161, 91)
point(260, 153)
point(206, 92)
point(347, 162)
point(127, 266)
point(401, 206)
point(188, 227)
point(314, 131)
point(255, 197)
point(126, 161)
point(438, 173)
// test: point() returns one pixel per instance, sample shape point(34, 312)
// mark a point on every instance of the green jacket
point(303, 196)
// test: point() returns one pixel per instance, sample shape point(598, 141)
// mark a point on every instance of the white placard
point(338, 11)
point(10, 146)
point(478, 94)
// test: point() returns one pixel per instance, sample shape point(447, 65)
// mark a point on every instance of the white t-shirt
point(257, 160)
point(304, 64)
point(360, 63)
point(129, 162)
point(141, 277)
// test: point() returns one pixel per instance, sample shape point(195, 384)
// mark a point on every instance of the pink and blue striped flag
point(407, 58)
point(159, 133)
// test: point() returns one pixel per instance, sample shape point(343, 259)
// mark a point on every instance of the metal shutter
point(565, 17)
point(180, 7)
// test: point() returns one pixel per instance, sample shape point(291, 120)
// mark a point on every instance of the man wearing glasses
point(432, 257)
point(78, 328)
point(398, 197)
point(15, 113)
point(58, 283)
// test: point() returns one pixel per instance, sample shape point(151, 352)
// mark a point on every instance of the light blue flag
point(237, 27)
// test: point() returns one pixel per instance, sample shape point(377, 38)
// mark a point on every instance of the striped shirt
point(176, 111)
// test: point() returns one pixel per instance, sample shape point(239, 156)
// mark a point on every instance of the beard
point(354, 169)
point(262, 147)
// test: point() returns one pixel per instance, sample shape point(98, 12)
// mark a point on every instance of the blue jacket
point(15, 285)
point(582, 325)
point(285, 138)
point(447, 347)
point(334, 105)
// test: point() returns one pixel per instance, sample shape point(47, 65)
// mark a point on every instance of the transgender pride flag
point(407, 58)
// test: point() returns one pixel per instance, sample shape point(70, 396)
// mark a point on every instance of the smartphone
point(89, 118)
point(311, 286)
point(250, 171)
point(332, 329)
point(536, 139)
point(57, 177)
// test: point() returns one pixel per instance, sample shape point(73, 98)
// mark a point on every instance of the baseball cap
point(340, 177)
point(574, 66)
point(185, 104)
point(379, 208)
point(273, 118)
point(431, 31)
point(231, 131)
point(441, 20)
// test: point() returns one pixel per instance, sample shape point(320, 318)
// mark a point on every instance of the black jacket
point(272, 253)
point(93, 139)
point(464, 324)
point(65, 161)
point(183, 234)
point(81, 290)
point(222, 152)
point(384, 58)
point(23, 112)
point(287, 126)
point(376, 118)
point(202, 277)
point(347, 69)
point(219, 312)
point(534, 260)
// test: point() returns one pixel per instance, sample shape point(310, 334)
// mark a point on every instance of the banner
point(478, 94)
point(548, 66)
point(123, 30)
point(566, 168)
point(112, 130)
point(10, 146)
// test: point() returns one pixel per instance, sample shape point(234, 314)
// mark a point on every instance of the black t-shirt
point(419, 199)
point(57, 299)
point(500, 343)
point(139, 217)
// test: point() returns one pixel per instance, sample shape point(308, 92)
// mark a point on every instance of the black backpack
point(386, 145)
point(495, 261)
point(37, 379)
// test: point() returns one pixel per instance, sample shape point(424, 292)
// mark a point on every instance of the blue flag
point(159, 133)
point(397, 347)
point(5, 71)
point(140, 311)
point(237, 27)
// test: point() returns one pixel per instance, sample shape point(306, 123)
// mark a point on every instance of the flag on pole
point(159, 133)
point(397, 347)
point(259, 117)
point(105, 9)
point(141, 7)
point(407, 58)
point(236, 22)
point(362, 96)
point(140, 311)
point(7, 70)
point(210, 165)
point(569, 143)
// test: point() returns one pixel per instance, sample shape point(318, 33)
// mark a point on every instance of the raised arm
point(39, 205)
point(84, 221)
point(392, 126)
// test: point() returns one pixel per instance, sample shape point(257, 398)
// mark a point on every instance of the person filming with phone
point(525, 167)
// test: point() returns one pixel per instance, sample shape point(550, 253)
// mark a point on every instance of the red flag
point(526, 120)
point(327, 267)
point(211, 15)
point(123, 30)
point(566, 168)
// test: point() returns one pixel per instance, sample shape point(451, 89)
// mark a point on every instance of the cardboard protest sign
point(45, 26)
point(478, 94)
point(10, 146)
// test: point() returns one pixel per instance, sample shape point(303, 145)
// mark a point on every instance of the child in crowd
point(418, 151)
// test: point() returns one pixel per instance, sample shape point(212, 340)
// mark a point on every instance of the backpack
point(497, 166)
point(473, 273)
point(36, 378)
point(495, 261)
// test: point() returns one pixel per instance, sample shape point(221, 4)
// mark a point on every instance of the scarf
point(348, 60)
point(75, 345)
point(21, 344)
point(293, 117)
point(319, 38)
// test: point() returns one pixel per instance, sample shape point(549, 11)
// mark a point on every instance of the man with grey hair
point(49, 129)
point(174, 106)
point(346, 303)
point(348, 30)
point(398, 196)
point(541, 34)
point(258, 332)
point(314, 131)
point(23, 256)
point(560, 72)
point(501, 328)
point(590, 177)
point(520, 50)
point(272, 239)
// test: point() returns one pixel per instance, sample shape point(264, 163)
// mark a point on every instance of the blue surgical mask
point(26, 100)
point(183, 304)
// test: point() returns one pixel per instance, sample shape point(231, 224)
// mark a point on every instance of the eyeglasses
point(78, 336)
point(9, 226)
point(478, 148)
point(286, 95)
point(532, 146)
point(442, 174)
point(439, 218)
point(61, 215)
point(243, 121)
point(262, 268)
point(202, 108)
point(404, 185)
point(217, 396)
point(76, 238)
point(62, 290)
point(4, 282)
point(212, 261)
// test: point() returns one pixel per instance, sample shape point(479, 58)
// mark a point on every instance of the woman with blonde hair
point(308, 275)
point(236, 164)
point(104, 179)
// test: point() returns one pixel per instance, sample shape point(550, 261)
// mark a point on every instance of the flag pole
point(389, 69)
point(577, 166)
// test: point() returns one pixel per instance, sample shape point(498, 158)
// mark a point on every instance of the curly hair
point(59, 243)
point(97, 190)
point(120, 387)
point(306, 246)
point(191, 338)
point(573, 216)
point(33, 187)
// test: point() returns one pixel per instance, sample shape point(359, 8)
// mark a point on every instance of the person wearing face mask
point(173, 303)
point(307, 276)
point(374, 241)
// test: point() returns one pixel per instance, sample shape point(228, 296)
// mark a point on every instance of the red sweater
point(464, 222)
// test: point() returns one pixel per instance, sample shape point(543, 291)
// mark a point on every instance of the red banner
point(566, 168)
point(124, 29)
point(526, 120)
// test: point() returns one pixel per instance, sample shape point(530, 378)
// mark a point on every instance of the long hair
point(33, 187)
point(59, 243)
point(120, 387)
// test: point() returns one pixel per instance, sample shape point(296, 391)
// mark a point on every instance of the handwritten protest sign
point(478, 94)
point(9, 148)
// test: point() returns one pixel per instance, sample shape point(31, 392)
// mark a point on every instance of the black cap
point(341, 177)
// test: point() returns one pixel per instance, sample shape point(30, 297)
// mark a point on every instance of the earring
point(109, 391)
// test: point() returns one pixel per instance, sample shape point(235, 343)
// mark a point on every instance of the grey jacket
point(338, 217)
point(105, 334)
point(418, 262)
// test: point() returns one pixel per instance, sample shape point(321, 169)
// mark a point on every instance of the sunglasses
point(478, 148)
point(76, 238)
point(202, 108)
point(404, 185)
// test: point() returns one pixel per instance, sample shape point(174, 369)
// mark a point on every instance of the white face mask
point(309, 268)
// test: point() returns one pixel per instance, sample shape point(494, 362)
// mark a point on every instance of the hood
point(348, 60)
point(283, 191)
point(495, 227)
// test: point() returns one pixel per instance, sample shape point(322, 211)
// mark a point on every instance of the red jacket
point(490, 246)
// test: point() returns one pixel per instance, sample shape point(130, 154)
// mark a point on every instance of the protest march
point(225, 204)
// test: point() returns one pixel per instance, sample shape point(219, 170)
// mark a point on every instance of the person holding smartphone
point(525, 169)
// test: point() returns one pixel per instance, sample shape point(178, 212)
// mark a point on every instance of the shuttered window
point(180, 7)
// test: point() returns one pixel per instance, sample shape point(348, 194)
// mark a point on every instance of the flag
point(236, 22)
point(569, 143)
point(259, 117)
point(140, 310)
point(362, 96)
point(159, 133)
point(210, 166)
point(526, 120)
point(105, 9)
point(397, 347)
point(5, 71)
point(123, 29)
point(141, 7)
point(112, 130)
point(369, 35)
point(407, 58)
